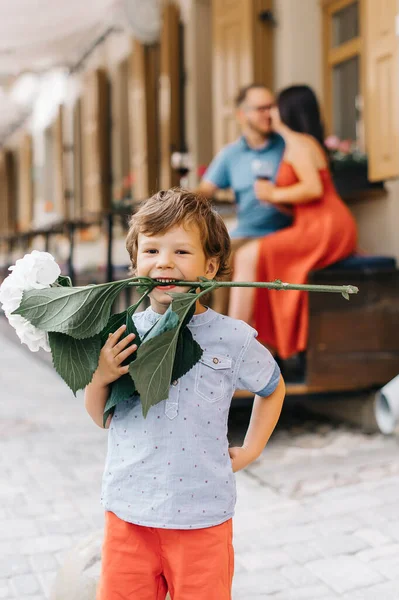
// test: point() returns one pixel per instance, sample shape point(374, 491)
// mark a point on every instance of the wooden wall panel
point(25, 185)
point(242, 54)
point(382, 94)
point(96, 144)
point(144, 69)
point(170, 95)
point(59, 199)
point(7, 189)
point(78, 187)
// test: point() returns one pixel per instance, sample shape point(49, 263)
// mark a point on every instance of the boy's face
point(172, 255)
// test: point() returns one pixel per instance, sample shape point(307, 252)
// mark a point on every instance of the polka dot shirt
point(172, 469)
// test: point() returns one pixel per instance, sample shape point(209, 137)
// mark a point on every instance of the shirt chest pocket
point(213, 376)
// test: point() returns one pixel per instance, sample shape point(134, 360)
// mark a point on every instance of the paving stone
point(47, 580)
point(299, 576)
point(373, 537)
point(25, 584)
point(302, 553)
point(314, 592)
point(43, 562)
point(337, 544)
point(252, 561)
point(13, 565)
point(17, 528)
point(387, 566)
point(344, 573)
point(342, 524)
point(383, 591)
point(378, 553)
point(48, 543)
point(9, 548)
point(259, 582)
point(5, 589)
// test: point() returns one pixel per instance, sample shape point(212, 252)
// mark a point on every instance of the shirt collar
point(268, 144)
point(152, 317)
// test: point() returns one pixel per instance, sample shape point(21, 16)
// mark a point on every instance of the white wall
point(298, 44)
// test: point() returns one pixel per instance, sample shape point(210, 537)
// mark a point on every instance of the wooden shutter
point(121, 154)
point(96, 144)
point(144, 65)
point(242, 54)
point(170, 105)
point(58, 165)
point(25, 185)
point(382, 97)
point(77, 161)
point(7, 199)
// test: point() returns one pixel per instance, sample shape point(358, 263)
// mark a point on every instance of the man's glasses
point(260, 109)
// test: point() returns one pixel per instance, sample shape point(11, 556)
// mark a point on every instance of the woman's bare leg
point(245, 265)
point(220, 297)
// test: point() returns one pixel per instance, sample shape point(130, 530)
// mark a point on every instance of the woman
point(323, 229)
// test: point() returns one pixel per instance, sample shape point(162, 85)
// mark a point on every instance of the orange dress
point(323, 232)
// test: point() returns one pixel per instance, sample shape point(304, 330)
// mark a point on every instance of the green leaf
point(169, 320)
point(124, 387)
point(114, 322)
point(75, 360)
point(152, 370)
point(64, 281)
point(80, 312)
point(121, 389)
point(345, 295)
point(188, 353)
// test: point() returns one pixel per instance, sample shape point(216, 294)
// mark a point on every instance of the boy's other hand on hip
point(241, 457)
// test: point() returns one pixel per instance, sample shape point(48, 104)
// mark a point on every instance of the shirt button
point(216, 361)
point(175, 382)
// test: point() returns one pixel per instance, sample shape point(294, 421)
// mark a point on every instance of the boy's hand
point(241, 457)
point(112, 355)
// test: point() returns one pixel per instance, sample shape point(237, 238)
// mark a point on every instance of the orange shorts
point(144, 563)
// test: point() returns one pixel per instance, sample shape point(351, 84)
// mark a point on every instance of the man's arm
point(217, 175)
point(265, 414)
point(207, 188)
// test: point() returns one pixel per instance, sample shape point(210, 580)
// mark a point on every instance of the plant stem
point(271, 285)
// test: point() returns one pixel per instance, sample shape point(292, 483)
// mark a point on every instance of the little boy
point(168, 485)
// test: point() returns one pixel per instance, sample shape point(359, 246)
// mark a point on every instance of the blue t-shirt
point(237, 166)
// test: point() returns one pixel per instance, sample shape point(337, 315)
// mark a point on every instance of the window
point(343, 82)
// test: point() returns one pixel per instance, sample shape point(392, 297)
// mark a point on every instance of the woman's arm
point(308, 188)
point(264, 417)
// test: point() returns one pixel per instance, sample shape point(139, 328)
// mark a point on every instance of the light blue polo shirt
point(172, 470)
point(236, 166)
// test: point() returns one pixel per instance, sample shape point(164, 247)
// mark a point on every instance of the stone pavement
point(317, 516)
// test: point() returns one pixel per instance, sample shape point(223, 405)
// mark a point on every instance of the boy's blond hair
point(176, 206)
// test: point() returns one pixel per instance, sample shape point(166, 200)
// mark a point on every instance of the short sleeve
point(258, 372)
point(218, 171)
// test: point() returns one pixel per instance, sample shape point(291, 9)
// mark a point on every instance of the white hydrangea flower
point(37, 270)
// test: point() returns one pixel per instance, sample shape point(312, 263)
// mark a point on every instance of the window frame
point(333, 56)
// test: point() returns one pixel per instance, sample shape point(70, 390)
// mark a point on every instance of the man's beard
point(260, 132)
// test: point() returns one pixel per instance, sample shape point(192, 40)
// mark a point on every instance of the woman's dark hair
point(300, 111)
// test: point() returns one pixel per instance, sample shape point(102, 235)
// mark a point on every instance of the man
point(255, 155)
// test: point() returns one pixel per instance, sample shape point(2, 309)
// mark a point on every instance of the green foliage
point(80, 312)
point(153, 368)
point(75, 360)
point(78, 321)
